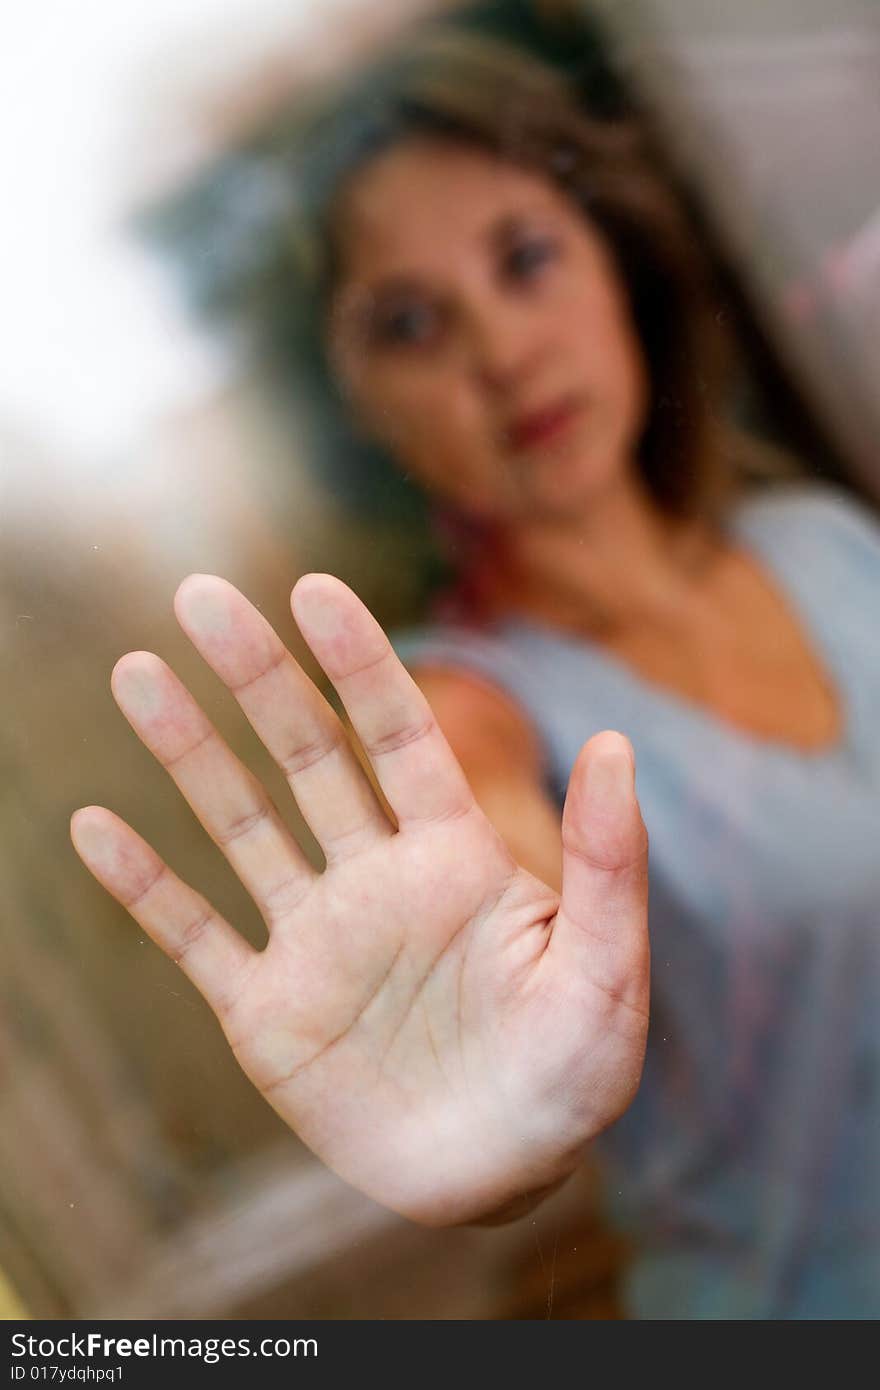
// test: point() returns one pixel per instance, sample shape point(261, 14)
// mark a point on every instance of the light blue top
point(748, 1166)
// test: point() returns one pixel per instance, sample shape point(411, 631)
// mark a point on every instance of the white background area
point(94, 344)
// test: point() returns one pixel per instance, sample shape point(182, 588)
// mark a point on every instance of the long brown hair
point(489, 94)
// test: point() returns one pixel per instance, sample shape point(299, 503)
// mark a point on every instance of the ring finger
point(229, 801)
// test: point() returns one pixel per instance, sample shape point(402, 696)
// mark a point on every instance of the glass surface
point(432, 391)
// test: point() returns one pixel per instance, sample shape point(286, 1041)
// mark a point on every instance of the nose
point(504, 344)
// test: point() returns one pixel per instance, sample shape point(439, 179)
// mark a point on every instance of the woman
point(458, 1004)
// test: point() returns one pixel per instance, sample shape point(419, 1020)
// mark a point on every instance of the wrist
point(518, 1206)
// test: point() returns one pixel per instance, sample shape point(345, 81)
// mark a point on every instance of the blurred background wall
point(145, 435)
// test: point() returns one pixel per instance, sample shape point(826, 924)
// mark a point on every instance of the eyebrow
point(398, 286)
point(507, 225)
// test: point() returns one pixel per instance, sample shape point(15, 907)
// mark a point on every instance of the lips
point(541, 426)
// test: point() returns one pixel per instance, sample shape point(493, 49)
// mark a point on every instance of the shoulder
point(825, 519)
point(481, 652)
point(480, 719)
point(476, 685)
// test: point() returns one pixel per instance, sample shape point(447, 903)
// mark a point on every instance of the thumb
point(603, 915)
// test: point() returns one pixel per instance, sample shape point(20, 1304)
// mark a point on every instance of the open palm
point(442, 1028)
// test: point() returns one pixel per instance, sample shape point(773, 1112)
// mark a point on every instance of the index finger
point(417, 770)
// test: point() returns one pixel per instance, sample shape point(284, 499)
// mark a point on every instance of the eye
point(414, 324)
point(527, 258)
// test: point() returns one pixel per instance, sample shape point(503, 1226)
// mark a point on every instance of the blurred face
point(480, 332)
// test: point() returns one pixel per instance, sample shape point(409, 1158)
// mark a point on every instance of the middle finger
point(288, 713)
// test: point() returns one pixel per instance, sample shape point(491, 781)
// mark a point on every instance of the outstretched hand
point(443, 1029)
